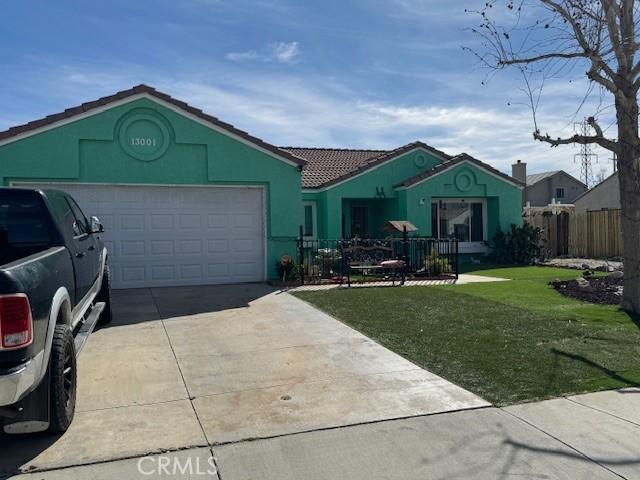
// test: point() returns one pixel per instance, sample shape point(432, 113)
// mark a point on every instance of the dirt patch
point(603, 290)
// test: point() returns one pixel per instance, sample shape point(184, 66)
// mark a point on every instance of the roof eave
point(52, 121)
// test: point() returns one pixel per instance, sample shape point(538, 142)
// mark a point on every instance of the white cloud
point(243, 56)
point(299, 111)
point(283, 52)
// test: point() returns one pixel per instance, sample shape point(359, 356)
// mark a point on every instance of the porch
point(392, 260)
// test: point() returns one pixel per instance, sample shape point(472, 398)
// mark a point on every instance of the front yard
point(509, 342)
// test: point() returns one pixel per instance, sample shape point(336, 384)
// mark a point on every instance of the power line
point(586, 157)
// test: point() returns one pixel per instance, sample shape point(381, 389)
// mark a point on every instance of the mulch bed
point(602, 290)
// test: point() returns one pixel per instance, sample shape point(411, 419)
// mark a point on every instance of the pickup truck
point(54, 289)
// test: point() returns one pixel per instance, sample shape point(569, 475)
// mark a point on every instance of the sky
point(324, 73)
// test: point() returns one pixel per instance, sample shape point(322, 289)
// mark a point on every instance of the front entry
point(360, 221)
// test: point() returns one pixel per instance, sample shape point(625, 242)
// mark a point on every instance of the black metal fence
point(349, 260)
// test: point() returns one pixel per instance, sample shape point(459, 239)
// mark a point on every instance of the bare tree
point(549, 37)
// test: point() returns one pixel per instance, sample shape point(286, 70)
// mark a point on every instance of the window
point(80, 225)
point(23, 221)
point(461, 219)
point(559, 192)
point(309, 220)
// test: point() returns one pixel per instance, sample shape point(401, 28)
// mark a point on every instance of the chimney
point(519, 171)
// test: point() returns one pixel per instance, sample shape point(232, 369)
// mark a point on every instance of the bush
point(436, 265)
point(287, 269)
point(519, 246)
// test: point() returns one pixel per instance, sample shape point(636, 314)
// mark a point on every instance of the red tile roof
point(139, 89)
point(328, 166)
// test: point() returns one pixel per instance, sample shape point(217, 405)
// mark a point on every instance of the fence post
point(405, 253)
point(301, 255)
point(457, 259)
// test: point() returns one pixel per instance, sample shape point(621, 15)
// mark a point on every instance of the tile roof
point(140, 89)
point(451, 162)
point(328, 166)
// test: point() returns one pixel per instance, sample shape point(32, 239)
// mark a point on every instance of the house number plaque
point(144, 137)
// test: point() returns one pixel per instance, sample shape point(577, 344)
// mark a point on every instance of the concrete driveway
point(198, 367)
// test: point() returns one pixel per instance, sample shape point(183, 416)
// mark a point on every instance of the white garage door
point(165, 236)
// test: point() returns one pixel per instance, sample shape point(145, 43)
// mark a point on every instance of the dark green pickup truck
point(54, 289)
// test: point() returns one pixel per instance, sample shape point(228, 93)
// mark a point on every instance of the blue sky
point(358, 73)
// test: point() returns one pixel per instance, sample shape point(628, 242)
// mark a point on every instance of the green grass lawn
point(509, 342)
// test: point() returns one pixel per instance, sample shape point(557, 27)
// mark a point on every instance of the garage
point(185, 198)
point(168, 235)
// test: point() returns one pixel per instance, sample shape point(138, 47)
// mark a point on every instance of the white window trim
point(468, 247)
point(314, 219)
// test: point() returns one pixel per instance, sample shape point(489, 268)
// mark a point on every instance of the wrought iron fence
point(341, 261)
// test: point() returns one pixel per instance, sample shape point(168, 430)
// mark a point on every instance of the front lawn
point(508, 342)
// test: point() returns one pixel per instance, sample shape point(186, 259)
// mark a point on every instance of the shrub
point(519, 246)
point(435, 264)
point(287, 269)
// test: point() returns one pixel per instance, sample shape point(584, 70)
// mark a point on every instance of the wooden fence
point(595, 234)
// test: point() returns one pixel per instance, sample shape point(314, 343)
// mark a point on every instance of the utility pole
point(586, 157)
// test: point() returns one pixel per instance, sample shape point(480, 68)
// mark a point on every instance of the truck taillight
point(16, 324)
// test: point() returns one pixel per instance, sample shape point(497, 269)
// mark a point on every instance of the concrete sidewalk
point(463, 279)
point(594, 436)
point(585, 437)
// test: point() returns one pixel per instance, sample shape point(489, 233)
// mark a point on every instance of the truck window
point(23, 221)
point(80, 226)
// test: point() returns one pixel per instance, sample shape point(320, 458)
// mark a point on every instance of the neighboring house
point(544, 188)
point(604, 196)
point(187, 199)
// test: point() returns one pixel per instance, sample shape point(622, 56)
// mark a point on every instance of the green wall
point(90, 150)
point(383, 177)
point(466, 180)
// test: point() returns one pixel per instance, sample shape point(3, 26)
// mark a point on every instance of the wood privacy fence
point(595, 234)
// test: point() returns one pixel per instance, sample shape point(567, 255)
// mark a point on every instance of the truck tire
point(63, 379)
point(104, 295)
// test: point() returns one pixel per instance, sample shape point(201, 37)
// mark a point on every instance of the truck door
point(87, 254)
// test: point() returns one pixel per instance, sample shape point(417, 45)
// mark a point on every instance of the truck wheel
point(63, 379)
point(104, 295)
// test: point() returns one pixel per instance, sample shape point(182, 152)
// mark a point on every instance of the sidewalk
point(592, 436)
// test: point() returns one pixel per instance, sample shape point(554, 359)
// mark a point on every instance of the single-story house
point(545, 188)
point(188, 199)
point(604, 196)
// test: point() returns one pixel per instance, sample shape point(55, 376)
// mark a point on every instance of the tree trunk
point(629, 179)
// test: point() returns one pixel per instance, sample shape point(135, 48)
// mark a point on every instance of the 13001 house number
point(143, 142)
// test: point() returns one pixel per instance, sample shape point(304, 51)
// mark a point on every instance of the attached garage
point(167, 235)
point(185, 199)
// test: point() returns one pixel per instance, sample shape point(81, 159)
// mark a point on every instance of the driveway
point(199, 367)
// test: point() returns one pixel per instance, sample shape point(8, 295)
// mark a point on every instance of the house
point(545, 188)
point(349, 193)
point(604, 196)
point(188, 199)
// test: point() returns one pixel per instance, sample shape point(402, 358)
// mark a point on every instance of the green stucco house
point(187, 199)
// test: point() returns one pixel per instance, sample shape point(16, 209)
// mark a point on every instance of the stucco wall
point(605, 195)
point(89, 150)
point(504, 200)
point(382, 178)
